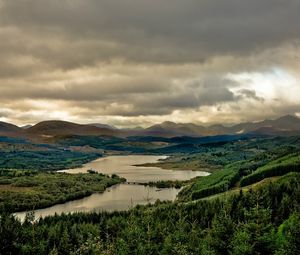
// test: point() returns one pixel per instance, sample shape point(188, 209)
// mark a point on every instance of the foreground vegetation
point(28, 190)
point(264, 221)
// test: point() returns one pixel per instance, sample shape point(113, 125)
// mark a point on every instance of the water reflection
point(124, 167)
point(123, 196)
point(118, 198)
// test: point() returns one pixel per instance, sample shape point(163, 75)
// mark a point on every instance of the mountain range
point(282, 126)
point(286, 125)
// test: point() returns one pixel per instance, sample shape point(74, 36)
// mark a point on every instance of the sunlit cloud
point(275, 84)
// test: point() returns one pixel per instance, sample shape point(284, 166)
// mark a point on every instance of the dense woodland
point(262, 221)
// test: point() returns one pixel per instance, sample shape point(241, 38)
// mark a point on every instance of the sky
point(138, 62)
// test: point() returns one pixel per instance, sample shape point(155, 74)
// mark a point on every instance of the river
point(122, 196)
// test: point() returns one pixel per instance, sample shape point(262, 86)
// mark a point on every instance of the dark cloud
point(128, 96)
point(248, 93)
point(131, 59)
point(81, 32)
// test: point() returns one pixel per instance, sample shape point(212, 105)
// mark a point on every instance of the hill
point(99, 125)
point(55, 127)
point(171, 129)
point(286, 125)
point(283, 124)
point(7, 129)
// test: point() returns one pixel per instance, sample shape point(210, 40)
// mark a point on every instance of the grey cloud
point(133, 58)
point(130, 96)
point(171, 97)
point(150, 31)
point(192, 95)
point(4, 113)
point(107, 89)
point(248, 93)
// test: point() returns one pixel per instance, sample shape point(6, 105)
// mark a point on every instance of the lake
point(122, 196)
point(124, 166)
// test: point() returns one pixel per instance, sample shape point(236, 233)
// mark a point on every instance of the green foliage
point(281, 166)
point(29, 190)
point(288, 235)
point(55, 159)
point(241, 243)
point(166, 184)
point(274, 162)
point(255, 222)
point(217, 182)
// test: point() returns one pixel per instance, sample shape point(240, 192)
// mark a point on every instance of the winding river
point(122, 196)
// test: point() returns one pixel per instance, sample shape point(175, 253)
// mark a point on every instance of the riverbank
point(131, 168)
point(177, 165)
point(143, 185)
point(120, 197)
point(29, 190)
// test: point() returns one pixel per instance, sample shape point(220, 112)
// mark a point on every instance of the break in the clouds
point(138, 62)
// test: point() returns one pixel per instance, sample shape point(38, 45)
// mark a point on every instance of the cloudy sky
point(139, 62)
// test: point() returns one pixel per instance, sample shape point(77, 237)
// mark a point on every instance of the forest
point(262, 221)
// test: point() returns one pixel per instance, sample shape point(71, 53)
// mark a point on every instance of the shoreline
point(159, 184)
point(87, 194)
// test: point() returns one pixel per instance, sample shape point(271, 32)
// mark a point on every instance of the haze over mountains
point(286, 125)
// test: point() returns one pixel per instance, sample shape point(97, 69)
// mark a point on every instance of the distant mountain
point(171, 129)
point(55, 127)
point(7, 129)
point(99, 125)
point(286, 125)
point(26, 126)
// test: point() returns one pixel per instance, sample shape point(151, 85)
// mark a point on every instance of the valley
point(140, 186)
point(78, 190)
